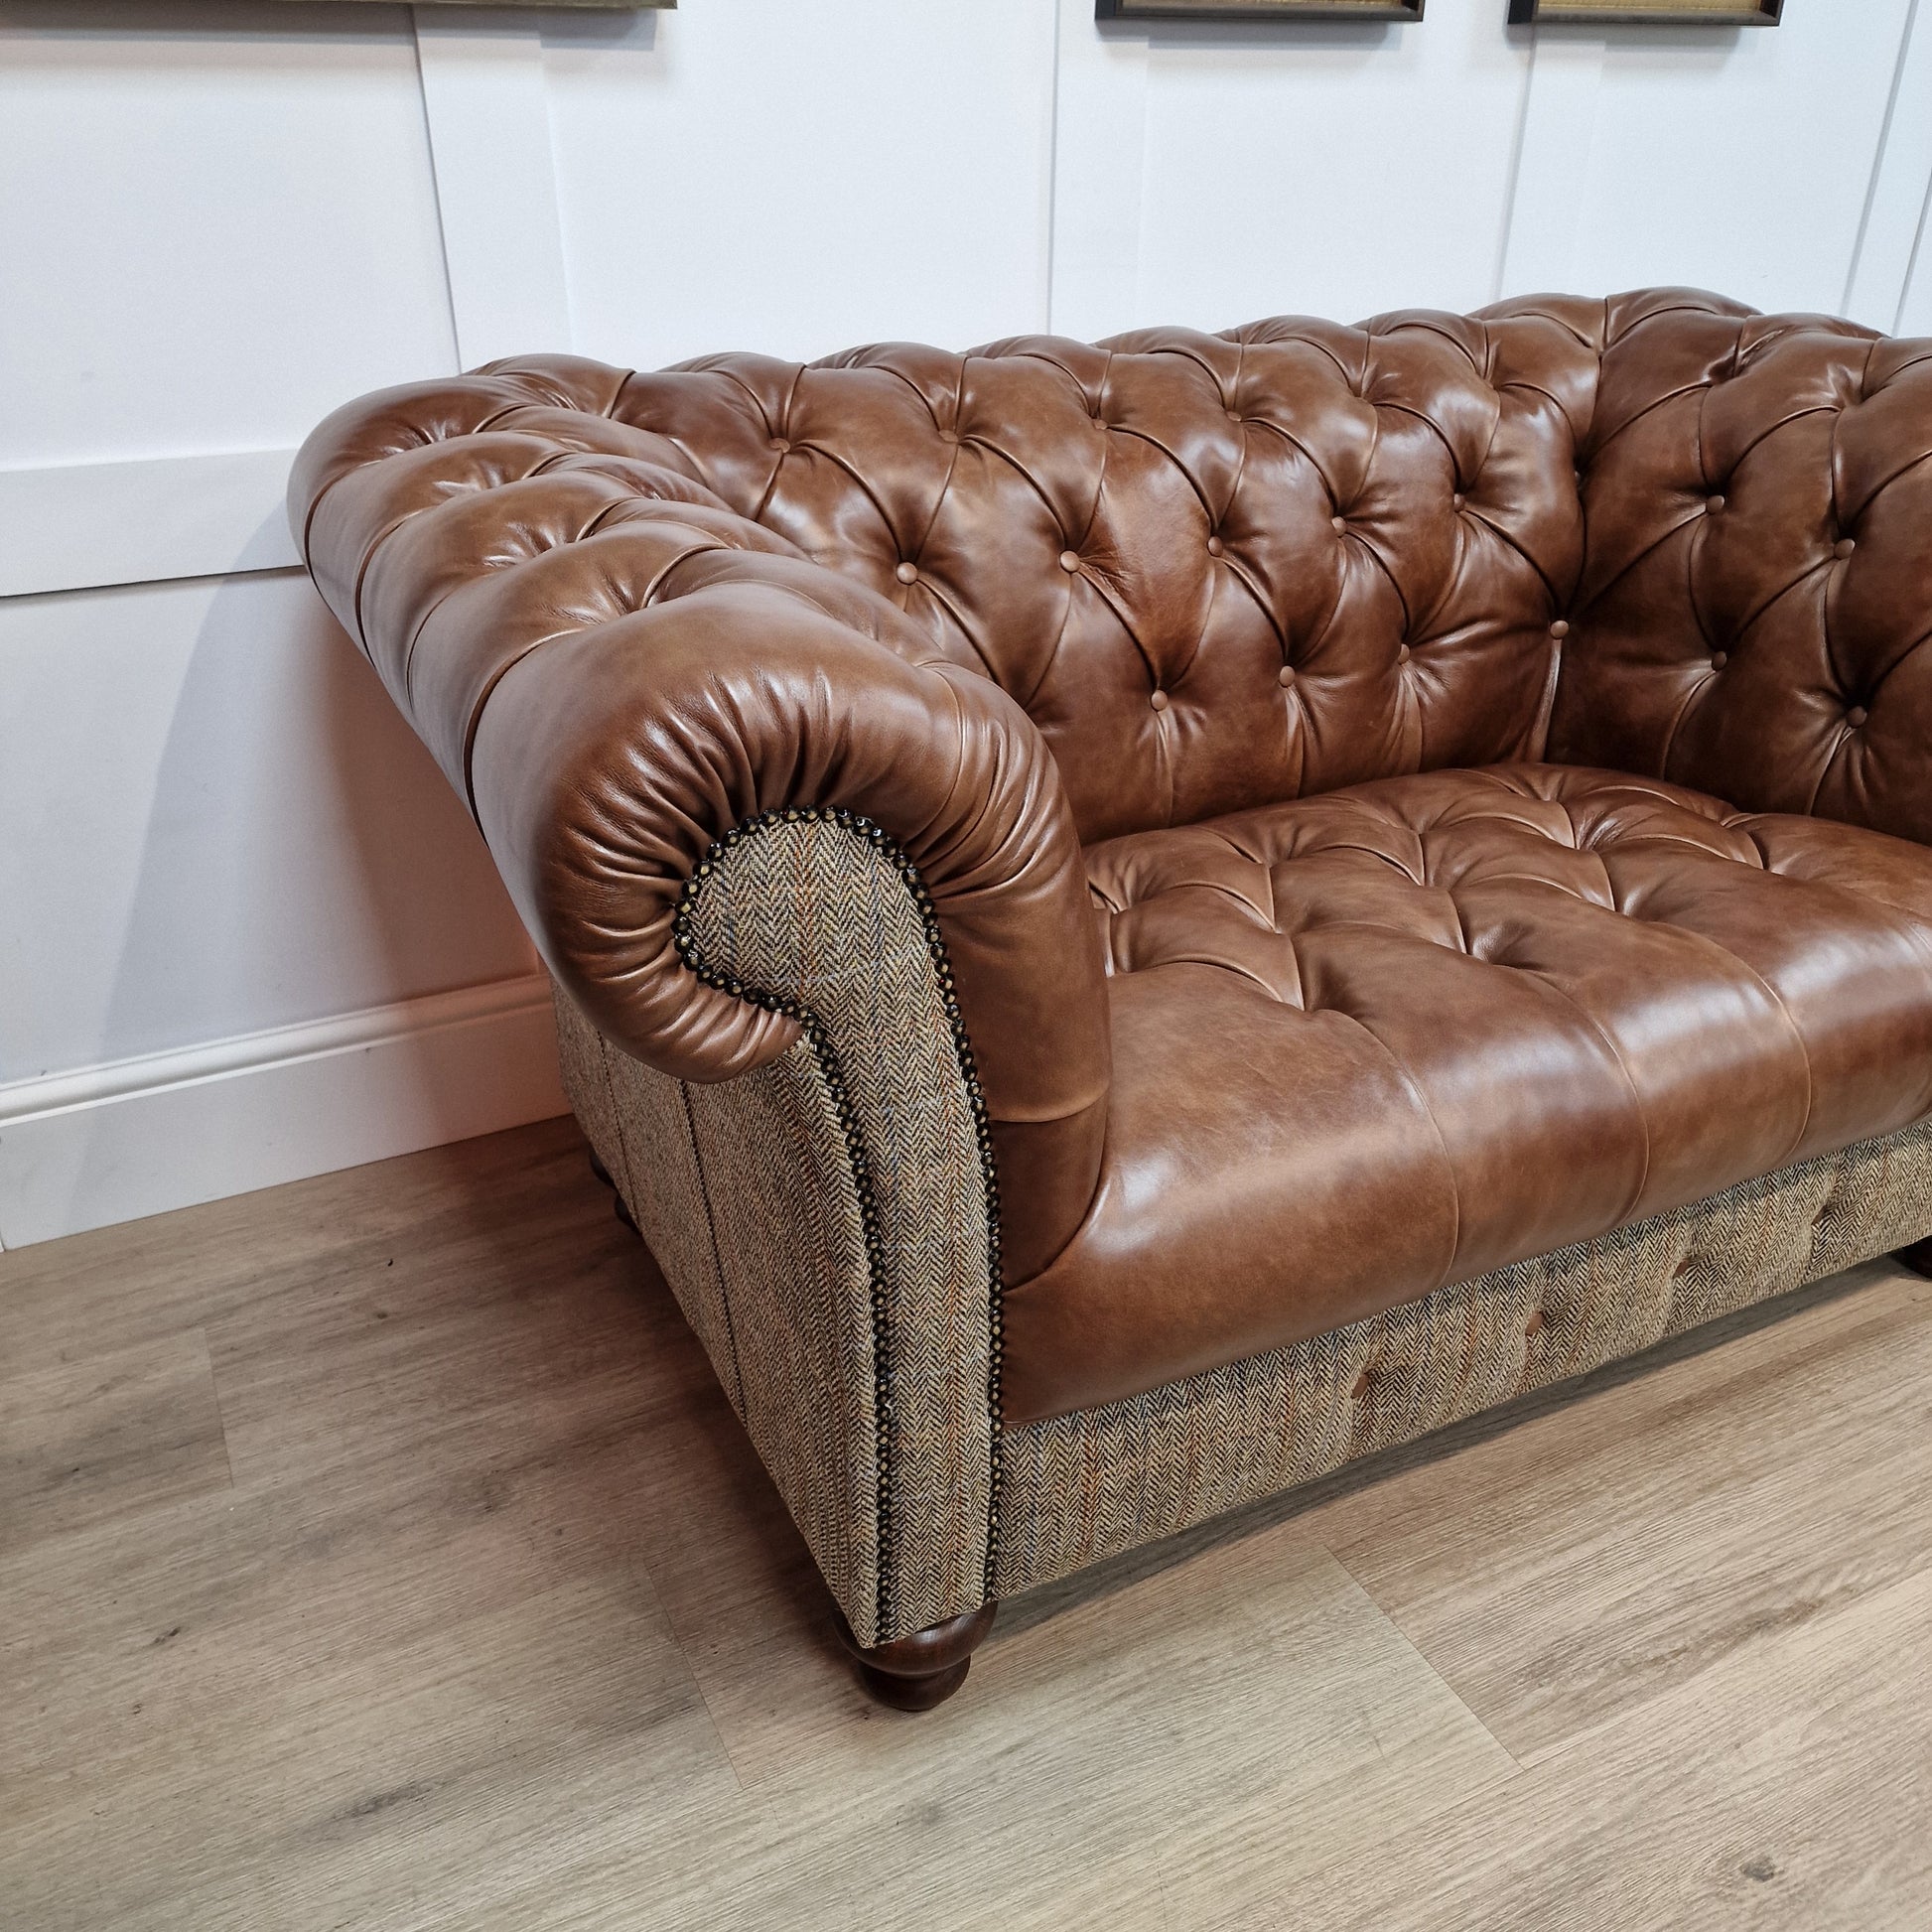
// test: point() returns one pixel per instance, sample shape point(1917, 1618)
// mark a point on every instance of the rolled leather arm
point(616, 670)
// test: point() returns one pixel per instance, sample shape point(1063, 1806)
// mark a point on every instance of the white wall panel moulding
point(1895, 218)
point(489, 118)
point(112, 1142)
point(1553, 156)
point(86, 524)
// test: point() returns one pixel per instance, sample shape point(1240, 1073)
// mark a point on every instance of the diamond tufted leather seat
point(1474, 1015)
point(1110, 902)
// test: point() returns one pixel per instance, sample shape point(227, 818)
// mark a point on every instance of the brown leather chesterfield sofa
point(1133, 923)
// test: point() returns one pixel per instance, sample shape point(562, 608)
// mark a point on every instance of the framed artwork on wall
point(575, 6)
point(1252, 10)
point(1648, 13)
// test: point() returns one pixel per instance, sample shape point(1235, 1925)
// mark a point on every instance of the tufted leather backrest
point(1657, 533)
point(1215, 570)
point(1759, 580)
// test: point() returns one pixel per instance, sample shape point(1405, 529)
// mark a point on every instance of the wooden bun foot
point(915, 1673)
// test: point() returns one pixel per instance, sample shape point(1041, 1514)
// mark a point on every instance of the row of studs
point(684, 936)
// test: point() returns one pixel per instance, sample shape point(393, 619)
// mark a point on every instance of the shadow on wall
point(302, 957)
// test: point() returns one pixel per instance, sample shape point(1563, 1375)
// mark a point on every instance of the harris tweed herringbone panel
point(861, 1369)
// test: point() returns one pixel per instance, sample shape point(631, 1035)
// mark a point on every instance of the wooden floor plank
point(1090, 1741)
point(421, 1578)
point(1787, 1786)
point(1611, 1549)
point(98, 1439)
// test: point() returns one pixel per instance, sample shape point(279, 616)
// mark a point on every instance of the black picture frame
point(1258, 12)
point(1634, 12)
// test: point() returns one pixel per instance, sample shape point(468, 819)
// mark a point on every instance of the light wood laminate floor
point(378, 1551)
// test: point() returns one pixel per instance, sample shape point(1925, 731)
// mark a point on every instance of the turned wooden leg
point(915, 1673)
point(1918, 1257)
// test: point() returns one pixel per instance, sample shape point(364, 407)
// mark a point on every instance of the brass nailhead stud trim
point(833, 1074)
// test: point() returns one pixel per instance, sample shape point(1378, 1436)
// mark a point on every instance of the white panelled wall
point(247, 933)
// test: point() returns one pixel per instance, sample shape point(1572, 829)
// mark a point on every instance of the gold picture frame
point(1645, 12)
point(1252, 11)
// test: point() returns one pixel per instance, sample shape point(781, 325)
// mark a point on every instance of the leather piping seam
point(818, 1038)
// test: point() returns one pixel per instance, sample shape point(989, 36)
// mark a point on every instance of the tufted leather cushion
point(1752, 612)
point(1396, 1037)
point(1138, 540)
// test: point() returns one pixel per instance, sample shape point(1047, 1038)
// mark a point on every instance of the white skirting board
point(141, 1136)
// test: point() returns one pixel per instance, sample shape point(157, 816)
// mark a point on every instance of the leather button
point(949, 436)
point(907, 573)
point(1234, 415)
point(1214, 546)
point(1561, 628)
point(1363, 1383)
point(1286, 675)
point(1843, 547)
point(1338, 524)
point(1534, 1326)
point(1857, 715)
point(1402, 657)
point(1069, 561)
point(1158, 700)
point(1459, 500)
point(1714, 503)
point(1719, 659)
point(779, 443)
